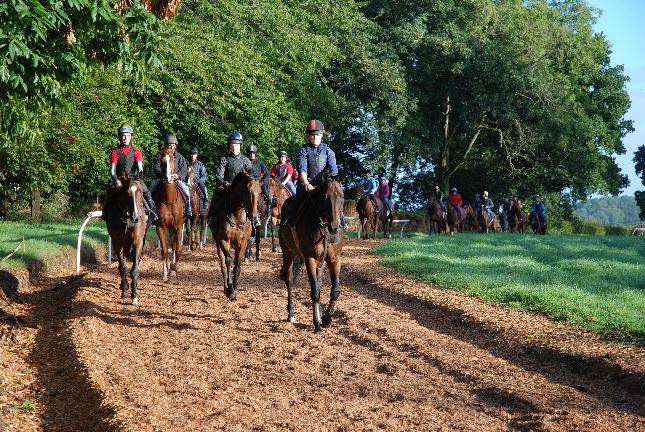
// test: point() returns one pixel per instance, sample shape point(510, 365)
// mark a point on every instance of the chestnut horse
point(484, 221)
point(455, 219)
point(231, 219)
point(471, 217)
point(171, 214)
point(438, 222)
point(315, 236)
point(371, 210)
point(279, 195)
point(516, 219)
point(126, 223)
point(195, 237)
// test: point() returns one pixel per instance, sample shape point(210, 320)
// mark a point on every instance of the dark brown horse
point(372, 210)
point(279, 195)
point(438, 222)
point(471, 218)
point(256, 233)
point(455, 219)
point(516, 221)
point(538, 226)
point(171, 214)
point(126, 223)
point(196, 237)
point(231, 219)
point(315, 236)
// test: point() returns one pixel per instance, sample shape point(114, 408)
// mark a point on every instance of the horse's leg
point(122, 271)
point(161, 234)
point(134, 273)
point(204, 230)
point(177, 248)
point(237, 268)
point(312, 272)
point(286, 274)
point(333, 262)
point(257, 244)
point(273, 248)
point(247, 251)
point(374, 223)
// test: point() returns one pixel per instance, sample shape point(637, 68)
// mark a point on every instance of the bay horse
point(126, 224)
point(279, 195)
point(484, 220)
point(372, 210)
point(171, 214)
point(438, 222)
point(316, 236)
point(471, 217)
point(231, 219)
point(455, 219)
point(537, 225)
point(195, 237)
point(516, 219)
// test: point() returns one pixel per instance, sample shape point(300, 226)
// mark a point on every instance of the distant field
point(46, 240)
point(595, 282)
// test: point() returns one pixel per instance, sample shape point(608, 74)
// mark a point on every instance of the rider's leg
point(151, 204)
point(107, 201)
point(186, 191)
point(289, 185)
point(265, 192)
point(202, 188)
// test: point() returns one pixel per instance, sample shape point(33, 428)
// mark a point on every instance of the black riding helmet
point(252, 149)
point(194, 150)
point(283, 153)
point(235, 137)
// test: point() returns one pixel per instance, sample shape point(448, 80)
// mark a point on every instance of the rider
point(181, 170)
point(369, 183)
point(455, 200)
point(200, 175)
point(260, 171)
point(284, 171)
point(538, 207)
point(488, 204)
point(233, 163)
point(506, 211)
point(437, 196)
point(383, 192)
point(313, 158)
point(128, 159)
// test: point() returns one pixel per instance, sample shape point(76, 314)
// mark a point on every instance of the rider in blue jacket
point(200, 175)
point(369, 183)
point(538, 207)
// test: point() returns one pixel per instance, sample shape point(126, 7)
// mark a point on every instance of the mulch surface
point(400, 355)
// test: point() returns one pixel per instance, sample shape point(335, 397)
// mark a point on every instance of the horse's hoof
point(124, 300)
point(173, 273)
point(318, 331)
point(326, 320)
point(135, 302)
point(292, 320)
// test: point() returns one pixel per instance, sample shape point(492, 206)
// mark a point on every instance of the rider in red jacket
point(383, 192)
point(455, 199)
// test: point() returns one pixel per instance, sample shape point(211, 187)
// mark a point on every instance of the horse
point(455, 219)
point(263, 214)
point(229, 220)
point(195, 236)
point(516, 217)
point(171, 214)
point(315, 236)
point(503, 217)
point(438, 222)
point(126, 224)
point(471, 217)
point(279, 195)
point(484, 220)
point(537, 225)
point(371, 210)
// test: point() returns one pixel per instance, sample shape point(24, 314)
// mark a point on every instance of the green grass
point(46, 241)
point(595, 282)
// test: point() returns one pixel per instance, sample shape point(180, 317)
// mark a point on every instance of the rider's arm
point(156, 168)
point(221, 169)
point(202, 174)
point(331, 161)
point(182, 168)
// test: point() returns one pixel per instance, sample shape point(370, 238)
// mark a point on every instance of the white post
point(109, 250)
point(90, 215)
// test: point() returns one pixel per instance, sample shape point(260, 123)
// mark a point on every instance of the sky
point(623, 23)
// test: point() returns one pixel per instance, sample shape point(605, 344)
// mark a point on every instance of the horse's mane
point(241, 176)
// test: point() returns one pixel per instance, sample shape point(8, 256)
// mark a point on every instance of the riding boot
point(204, 204)
point(151, 206)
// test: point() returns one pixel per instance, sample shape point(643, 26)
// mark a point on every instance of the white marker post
point(90, 215)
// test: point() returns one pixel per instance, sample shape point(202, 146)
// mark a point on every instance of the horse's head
point(191, 176)
point(246, 188)
point(329, 199)
point(360, 191)
point(132, 199)
point(167, 163)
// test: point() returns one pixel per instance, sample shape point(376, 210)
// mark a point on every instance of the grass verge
point(595, 282)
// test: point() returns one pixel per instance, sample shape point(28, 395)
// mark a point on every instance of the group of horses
point(479, 220)
point(313, 237)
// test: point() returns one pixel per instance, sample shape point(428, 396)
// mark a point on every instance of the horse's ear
point(140, 175)
point(324, 177)
point(126, 176)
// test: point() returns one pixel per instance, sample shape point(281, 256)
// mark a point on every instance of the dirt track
point(400, 356)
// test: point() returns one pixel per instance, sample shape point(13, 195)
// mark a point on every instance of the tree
point(639, 160)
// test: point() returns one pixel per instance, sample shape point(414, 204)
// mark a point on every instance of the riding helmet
point(282, 153)
point(125, 128)
point(453, 189)
point(194, 151)
point(235, 137)
point(171, 139)
point(252, 149)
point(314, 127)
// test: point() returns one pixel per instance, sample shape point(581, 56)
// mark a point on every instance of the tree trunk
point(443, 168)
point(35, 205)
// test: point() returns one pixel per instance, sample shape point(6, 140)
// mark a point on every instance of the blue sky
point(623, 23)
